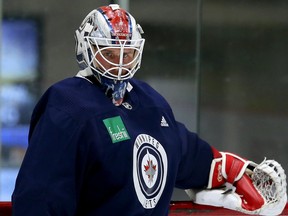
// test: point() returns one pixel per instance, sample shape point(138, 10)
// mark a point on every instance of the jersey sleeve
point(47, 183)
point(195, 162)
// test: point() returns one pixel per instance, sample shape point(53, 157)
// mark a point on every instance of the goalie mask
point(109, 44)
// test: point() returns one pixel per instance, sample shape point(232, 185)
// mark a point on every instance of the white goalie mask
point(109, 43)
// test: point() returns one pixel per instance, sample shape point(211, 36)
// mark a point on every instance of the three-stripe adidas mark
point(164, 122)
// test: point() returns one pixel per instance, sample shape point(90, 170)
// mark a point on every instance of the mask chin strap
point(117, 87)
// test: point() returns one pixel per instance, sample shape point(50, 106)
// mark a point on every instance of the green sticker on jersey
point(116, 129)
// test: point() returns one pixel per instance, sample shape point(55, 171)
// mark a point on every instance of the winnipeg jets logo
point(149, 170)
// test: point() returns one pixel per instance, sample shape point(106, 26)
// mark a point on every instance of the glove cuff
point(226, 167)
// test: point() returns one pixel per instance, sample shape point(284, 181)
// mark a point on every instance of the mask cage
point(117, 70)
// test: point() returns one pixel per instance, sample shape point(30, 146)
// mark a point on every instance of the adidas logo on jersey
point(164, 122)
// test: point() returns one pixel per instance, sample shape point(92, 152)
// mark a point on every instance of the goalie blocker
point(242, 185)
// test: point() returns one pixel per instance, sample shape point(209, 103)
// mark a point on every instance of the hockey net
point(177, 208)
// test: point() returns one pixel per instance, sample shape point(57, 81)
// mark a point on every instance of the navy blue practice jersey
point(87, 157)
